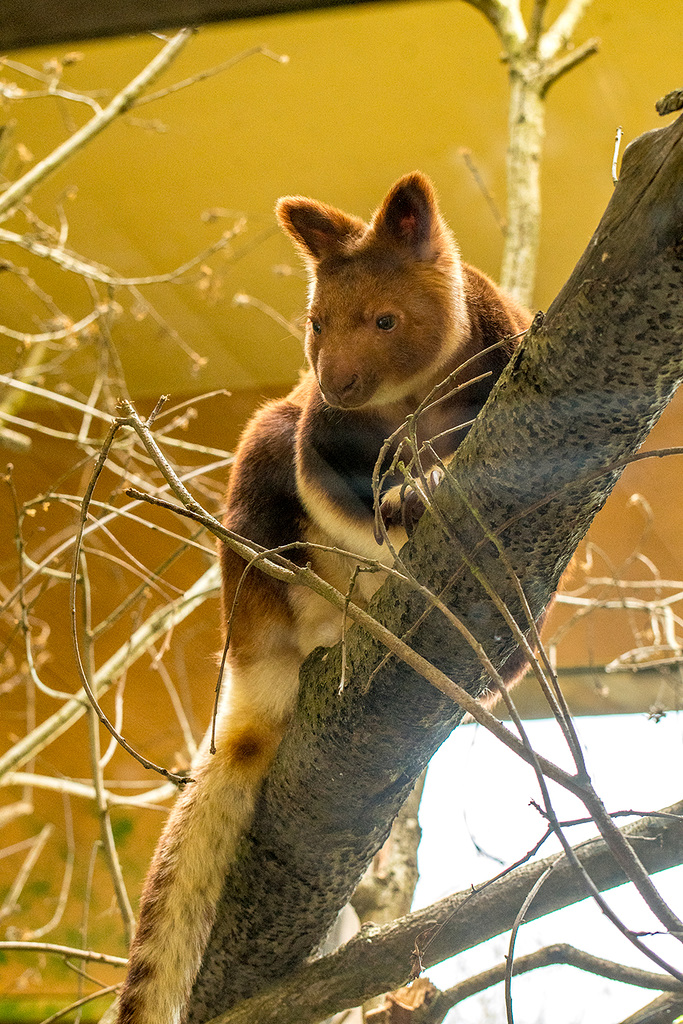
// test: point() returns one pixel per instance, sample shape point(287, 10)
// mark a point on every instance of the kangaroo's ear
point(409, 216)
point(317, 230)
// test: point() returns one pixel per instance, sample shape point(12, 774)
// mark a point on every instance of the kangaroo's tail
point(197, 846)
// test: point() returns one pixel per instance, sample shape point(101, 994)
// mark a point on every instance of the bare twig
point(70, 951)
point(38, 933)
point(104, 275)
point(92, 697)
point(279, 58)
point(150, 799)
point(105, 991)
point(241, 299)
point(558, 67)
point(536, 23)
point(506, 18)
point(510, 959)
point(19, 809)
point(106, 832)
point(16, 192)
point(9, 905)
point(466, 154)
point(150, 631)
point(559, 34)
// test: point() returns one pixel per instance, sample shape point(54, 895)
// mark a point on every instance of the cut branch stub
point(581, 393)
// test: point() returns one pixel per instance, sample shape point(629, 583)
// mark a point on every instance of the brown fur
point(392, 311)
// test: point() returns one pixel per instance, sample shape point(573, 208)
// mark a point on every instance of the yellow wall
point(368, 94)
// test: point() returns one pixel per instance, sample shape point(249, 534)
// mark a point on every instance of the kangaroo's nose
point(339, 393)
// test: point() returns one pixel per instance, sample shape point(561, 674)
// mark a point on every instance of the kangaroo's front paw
point(404, 505)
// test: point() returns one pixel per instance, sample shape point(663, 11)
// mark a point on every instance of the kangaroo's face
point(386, 306)
point(374, 332)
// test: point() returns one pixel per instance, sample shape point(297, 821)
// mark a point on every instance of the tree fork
point(536, 59)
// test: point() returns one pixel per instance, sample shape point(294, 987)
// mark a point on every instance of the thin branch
point(85, 911)
point(82, 671)
point(561, 31)
point(38, 933)
point(107, 990)
point(154, 627)
point(468, 159)
point(16, 192)
point(70, 951)
point(510, 959)
point(555, 69)
point(106, 832)
point(506, 18)
point(536, 23)
point(9, 905)
point(16, 810)
point(89, 410)
point(615, 156)
point(558, 953)
point(69, 331)
point(279, 58)
point(151, 799)
point(24, 618)
point(241, 299)
point(104, 275)
point(174, 697)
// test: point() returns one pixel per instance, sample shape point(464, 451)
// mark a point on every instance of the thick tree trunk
point(582, 393)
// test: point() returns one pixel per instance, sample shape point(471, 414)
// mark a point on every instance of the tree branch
point(558, 953)
point(378, 959)
point(151, 798)
point(66, 951)
point(506, 18)
point(561, 31)
point(155, 626)
point(663, 1010)
point(17, 191)
point(561, 65)
point(535, 61)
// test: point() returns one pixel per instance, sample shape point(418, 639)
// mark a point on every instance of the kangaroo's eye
point(316, 326)
point(386, 322)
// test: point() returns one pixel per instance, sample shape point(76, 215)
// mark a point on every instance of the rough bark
point(581, 393)
point(386, 890)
